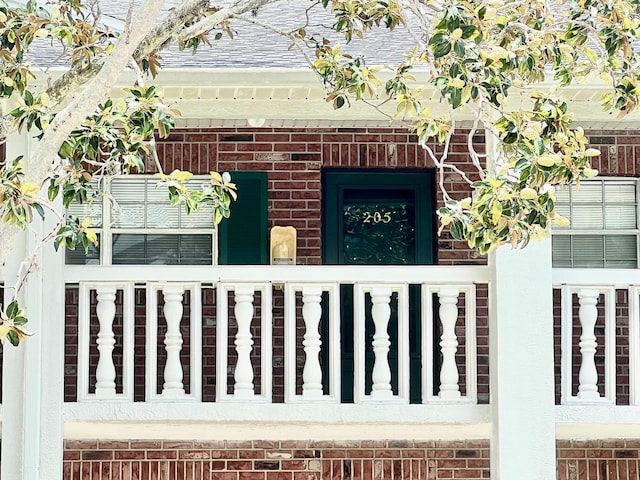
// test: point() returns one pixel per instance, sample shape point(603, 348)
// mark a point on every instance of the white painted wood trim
point(84, 316)
point(266, 340)
point(359, 291)
point(222, 342)
point(566, 333)
point(429, 396)
point(325, 274)
point(151, 350)
point(471, 344)
point(128, 344)
point(333, 343)
point(427, 352)
point(610, 377)
point(609, 395)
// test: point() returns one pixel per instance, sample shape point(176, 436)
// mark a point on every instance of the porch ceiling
point(296, 98)
point(254, 97)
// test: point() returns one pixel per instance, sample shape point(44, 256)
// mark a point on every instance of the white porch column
point(13, 388)
point(33, 374)
point(521, 364)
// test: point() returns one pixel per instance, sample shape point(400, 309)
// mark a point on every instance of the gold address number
point(376, 217)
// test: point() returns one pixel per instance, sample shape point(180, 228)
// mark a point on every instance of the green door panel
point(243, 237)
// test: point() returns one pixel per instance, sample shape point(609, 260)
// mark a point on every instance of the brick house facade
point(294, 159)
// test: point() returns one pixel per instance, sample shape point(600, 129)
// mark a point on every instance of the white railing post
point(173, 386)
point(588, 314)
point(381, 313)
point(106, 370)
point(449, 388)
point(243, 310)
point(311, 313)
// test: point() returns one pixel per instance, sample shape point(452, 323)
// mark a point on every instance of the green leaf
point(13, 338)
point(456, 97)
point(38, 208)
point(441, 49)
point(538, 146)
point(12, 309)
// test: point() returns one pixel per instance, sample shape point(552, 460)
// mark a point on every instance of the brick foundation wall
point(352, 460)
point(276, 460)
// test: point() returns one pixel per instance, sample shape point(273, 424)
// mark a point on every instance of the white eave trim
point(243, 97)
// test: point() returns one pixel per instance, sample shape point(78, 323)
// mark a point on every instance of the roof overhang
point(296, 98)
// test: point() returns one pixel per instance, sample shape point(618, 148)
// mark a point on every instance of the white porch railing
point(599, 340)
point(600, 346)
point(245, 319)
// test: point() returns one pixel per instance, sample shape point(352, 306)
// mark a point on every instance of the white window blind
point(136, 225)
point(604, 224)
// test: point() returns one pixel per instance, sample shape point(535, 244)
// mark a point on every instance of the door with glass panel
point(378, 218)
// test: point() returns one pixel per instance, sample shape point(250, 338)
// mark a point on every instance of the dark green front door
point(378, 218)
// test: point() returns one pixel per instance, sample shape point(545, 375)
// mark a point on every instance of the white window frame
point(106, 231)
point(556, 231)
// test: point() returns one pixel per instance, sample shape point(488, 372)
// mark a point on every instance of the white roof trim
point(296, 97)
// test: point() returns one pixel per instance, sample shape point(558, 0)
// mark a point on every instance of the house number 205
point(376, 217)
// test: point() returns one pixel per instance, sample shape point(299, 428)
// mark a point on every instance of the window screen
point(604, 228)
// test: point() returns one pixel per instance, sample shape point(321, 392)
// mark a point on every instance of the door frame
point(421, 182)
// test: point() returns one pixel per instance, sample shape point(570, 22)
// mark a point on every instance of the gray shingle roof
point(254, 46)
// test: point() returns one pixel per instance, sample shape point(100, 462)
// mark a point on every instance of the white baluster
point(449, 388)
point(381, 312)
point(173, 386)
point(106, 370)
point(311, 313)
point(243, 374)
point(588, 314)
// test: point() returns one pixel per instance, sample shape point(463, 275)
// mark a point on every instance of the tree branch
point(40, 160)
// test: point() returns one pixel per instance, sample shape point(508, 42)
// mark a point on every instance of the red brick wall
point(276, 460)
point(294, 159)
point(352, 460)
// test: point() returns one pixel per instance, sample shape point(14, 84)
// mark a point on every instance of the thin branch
point(290, 35)
point(209, 22)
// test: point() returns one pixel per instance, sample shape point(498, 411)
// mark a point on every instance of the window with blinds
point(604, 224)
point(136, 225)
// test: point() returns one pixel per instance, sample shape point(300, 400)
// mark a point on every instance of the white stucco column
point(50, 306)
point(33, 373)
point(13, 365)
point(521, 364)
point(12, 388)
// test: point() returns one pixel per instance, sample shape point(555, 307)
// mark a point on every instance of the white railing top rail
point(280, 274)
point(596, 276)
